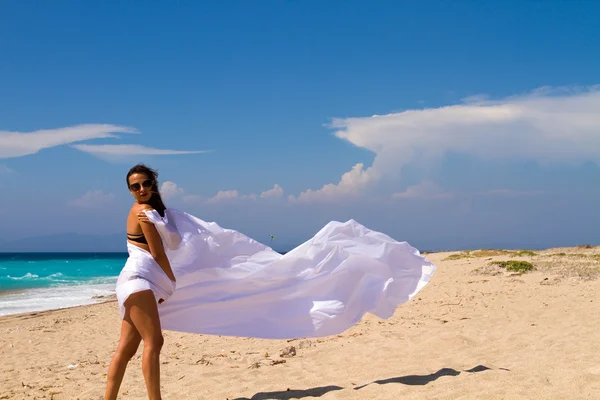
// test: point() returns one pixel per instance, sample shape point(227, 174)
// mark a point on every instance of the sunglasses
point(146, 184)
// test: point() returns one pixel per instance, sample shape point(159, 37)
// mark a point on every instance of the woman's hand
point(142, 217)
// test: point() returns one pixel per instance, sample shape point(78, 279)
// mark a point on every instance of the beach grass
point(514, 265)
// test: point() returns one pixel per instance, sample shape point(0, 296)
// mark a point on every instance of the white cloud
point(93, 199)
point(170, 190)
point(230, 195)
point(18, 144)
point(129, 150)
point(275, 192)
point(547, 125)
point(423, 190)
point(349, 185)
point(224, 195)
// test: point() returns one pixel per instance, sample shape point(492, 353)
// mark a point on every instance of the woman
point(140, 296)
point(232, 285)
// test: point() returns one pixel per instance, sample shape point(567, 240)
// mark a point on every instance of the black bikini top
point(137, 238)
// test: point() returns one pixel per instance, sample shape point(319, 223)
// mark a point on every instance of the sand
point(477, 331)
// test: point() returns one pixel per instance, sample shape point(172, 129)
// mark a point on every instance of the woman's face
point(140, 187)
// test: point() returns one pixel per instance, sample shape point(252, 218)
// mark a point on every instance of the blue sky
point(472, 124)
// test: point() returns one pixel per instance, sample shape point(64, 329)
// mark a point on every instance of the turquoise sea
point(43, 281)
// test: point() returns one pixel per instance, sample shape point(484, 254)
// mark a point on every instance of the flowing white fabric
point(229, 284)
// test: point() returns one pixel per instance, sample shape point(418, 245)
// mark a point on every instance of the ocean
point(45, 281)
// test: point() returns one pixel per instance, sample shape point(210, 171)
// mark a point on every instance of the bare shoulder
point(137, 207)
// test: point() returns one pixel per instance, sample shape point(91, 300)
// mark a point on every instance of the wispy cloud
point(547, 125)
point(512, 193)
point(93, 199)
point(423, 190)
point(4, 170)
point(118, 150)
point(18, 144)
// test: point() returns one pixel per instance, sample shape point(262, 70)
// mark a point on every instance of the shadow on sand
point(292, 394)
point(412, 380)
point(422, 380)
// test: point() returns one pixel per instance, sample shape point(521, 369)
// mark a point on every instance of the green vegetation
point(470, 254)
point(574, 255)
point(489, 253)
point(514, 265)
point(457, 256)
point(524, 253)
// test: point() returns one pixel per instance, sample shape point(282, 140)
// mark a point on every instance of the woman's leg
point(144, 315)
point(128, 345)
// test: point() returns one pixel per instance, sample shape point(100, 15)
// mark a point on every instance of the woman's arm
point(155, 243)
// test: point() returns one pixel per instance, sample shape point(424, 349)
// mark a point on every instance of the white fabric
point(167, 229)
point(141, 272)
point(229, 284)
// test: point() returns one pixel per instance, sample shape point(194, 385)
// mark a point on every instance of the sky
point(451, 125)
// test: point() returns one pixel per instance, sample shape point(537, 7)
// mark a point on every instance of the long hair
point(155, 201)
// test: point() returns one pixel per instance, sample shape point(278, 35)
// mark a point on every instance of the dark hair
point(155, 200)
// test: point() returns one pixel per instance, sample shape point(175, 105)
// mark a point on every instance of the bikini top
point(137, 238)
point(165, 227)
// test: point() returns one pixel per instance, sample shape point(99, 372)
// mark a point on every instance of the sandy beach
point(477, 331)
